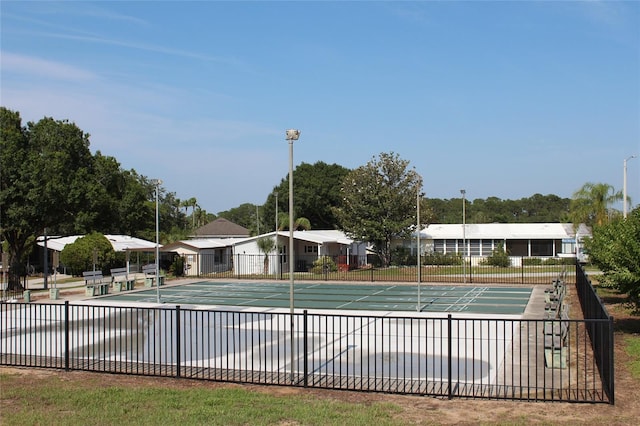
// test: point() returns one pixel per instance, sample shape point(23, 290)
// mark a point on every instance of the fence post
point(66, 335)
point(305, 347)
point(178, 346)
point(449, 357)
point(522, 270)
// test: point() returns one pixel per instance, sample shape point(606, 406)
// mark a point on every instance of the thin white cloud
point(139, 46)
point(93, 11)
point(22, 64)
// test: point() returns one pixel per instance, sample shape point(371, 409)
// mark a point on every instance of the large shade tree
point(46, 170)
point(316, 192)
point(49, 180)
point(379, 203)
point(243, 215)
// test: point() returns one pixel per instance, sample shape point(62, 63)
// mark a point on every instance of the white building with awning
point(518, 239)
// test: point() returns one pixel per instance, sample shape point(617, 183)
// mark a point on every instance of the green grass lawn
point(633, 349)
point(55, 402)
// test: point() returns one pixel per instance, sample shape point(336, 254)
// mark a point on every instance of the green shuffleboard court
point(369, 297)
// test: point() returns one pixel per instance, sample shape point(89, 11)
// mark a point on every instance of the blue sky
point(503, 99)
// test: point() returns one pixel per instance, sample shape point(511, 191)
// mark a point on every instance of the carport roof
point(118, 242)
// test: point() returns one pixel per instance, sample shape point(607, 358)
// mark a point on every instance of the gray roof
point(221, 228)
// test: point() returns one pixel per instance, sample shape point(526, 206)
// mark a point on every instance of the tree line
point(51, 183)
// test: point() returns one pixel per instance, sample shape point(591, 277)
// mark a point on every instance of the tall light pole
point(464, 237)
point(157, 183)
point(624, 186)
point(292, 135)
point(276, 214)
point(278, 257)
point(418, 195)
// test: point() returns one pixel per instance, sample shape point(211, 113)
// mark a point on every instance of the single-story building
point(204, 255)
point(242, 255)
point(308, 247)
point(518, 239)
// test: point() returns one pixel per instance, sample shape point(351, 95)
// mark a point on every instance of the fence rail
point(446, 357)
point(519, 270)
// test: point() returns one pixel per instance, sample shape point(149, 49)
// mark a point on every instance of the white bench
point(150, 275)
point(95, 284)
point(120, 280)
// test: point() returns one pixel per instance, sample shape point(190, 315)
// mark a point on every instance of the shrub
point(324, 264)
point(177, 266)
point(436, 258)
point(532, 261)
point(499, 257)
point(402, 256)
point(81, 254)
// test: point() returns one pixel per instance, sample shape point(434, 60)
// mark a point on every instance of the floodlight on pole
point(291, 136)
point(624, 186)
point(464, 236)
point(157, 183)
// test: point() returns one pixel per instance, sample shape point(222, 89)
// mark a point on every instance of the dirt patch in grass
point(412, 409)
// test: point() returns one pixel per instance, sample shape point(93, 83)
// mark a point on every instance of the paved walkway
point(75, 290)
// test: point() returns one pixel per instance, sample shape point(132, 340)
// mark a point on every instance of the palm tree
point(591, 203)
point(193, 203)
point(301, 223)
point(266, 245)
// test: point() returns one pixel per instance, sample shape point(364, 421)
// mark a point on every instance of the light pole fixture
point(292, 135)
point(157, 183)
point(624, 186)
point(464, 237)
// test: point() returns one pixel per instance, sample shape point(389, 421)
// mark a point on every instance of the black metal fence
point(11, 294)
point(519, 270)
point(601, 339)
point(437, 356)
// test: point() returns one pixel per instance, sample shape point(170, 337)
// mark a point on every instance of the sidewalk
point(68, 290)
point(38, 283)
